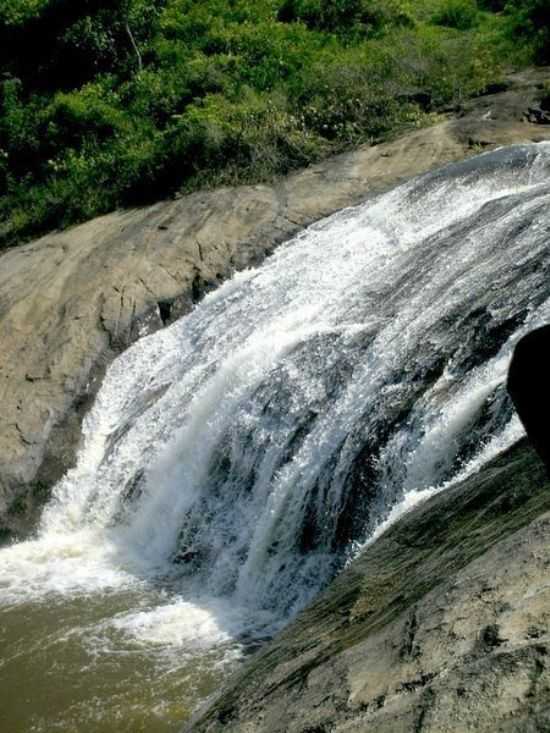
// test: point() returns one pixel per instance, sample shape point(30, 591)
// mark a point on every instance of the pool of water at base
point(75, 664)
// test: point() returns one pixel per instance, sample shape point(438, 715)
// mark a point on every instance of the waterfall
point(244, 453)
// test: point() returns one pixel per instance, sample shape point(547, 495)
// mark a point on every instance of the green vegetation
point(530, 25)
point(460, 14)
point(118, 102)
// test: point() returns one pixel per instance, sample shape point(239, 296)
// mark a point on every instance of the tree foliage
point(105, 103)
point(530, 22)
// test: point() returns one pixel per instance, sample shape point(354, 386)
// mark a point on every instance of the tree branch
point(134, 46)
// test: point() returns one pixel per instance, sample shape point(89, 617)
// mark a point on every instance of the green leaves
point(110, 102)
point(362, 17)
point(17, 12)
point(459, 14)
point(529, 21)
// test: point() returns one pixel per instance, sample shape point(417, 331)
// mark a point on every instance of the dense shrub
point(56, 44)
point(530, 23)
point(494, 6)
point(110, 102)
point(341, 16)
point(460, 14)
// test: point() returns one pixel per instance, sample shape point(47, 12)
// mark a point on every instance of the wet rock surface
point(442, 624)
point(71, 301)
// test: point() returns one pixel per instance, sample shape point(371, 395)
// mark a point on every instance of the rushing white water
point(237, 458)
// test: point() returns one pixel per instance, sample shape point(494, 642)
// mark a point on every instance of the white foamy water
point(233, 462)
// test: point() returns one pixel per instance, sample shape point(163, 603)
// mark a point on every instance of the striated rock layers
point(441, 626)
point(70, 301)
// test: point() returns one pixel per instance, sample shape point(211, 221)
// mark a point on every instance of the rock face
point(530, 390)
point(442, 625)
point(70, 301)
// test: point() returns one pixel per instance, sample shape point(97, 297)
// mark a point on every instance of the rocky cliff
point(71, 301)
point(441, 625)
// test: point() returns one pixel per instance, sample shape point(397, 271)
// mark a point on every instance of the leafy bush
point(363, 16)
point(493, 6)
point(56, 44)
point(17, 12)
point(110, 102)
point(530, 23)
point(460, 14)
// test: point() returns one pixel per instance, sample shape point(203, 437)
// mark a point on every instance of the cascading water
point(237, 459)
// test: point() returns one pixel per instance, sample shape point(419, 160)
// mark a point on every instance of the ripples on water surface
point(235, 461)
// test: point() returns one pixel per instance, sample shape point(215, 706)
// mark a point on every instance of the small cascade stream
point(235, 461)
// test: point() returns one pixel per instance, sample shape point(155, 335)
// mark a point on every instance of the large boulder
point(529, 387)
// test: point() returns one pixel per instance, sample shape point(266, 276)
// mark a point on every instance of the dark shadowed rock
point(529, 387)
